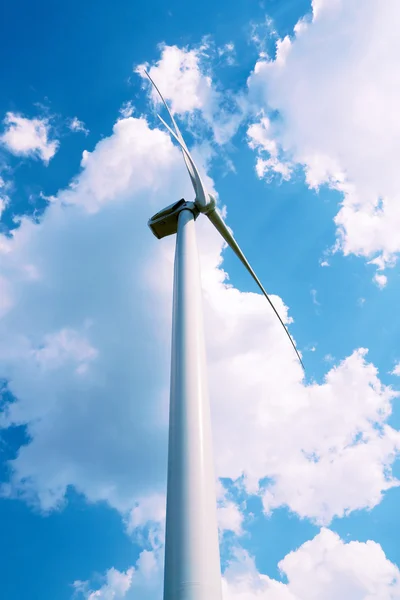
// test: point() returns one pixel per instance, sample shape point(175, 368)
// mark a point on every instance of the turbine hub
point(206, 208)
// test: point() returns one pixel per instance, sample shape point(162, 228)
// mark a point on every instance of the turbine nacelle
point(165, 222)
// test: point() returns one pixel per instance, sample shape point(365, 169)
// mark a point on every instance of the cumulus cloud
point(380, 279)
point(185, 80)
point(261, 407)
point(28, 137)
point(181, 80)
point(229, 514)
point(261, 140)
point(116, 585)
point(143, 580)
point(151, 509)
point(336, 87)
point(324, 567)
point(396, 369)
point(85, 339)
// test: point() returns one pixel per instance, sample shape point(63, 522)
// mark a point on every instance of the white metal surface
point(192, 561)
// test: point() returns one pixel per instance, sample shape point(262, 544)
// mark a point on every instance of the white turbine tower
point(192, 562)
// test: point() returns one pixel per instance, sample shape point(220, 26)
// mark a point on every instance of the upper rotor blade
point(178, 133)
point(219, 224)
point(201, 193)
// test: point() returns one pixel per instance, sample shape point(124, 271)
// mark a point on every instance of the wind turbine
point(192, 562)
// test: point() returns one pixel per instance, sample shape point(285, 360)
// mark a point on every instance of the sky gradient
point(290, 109)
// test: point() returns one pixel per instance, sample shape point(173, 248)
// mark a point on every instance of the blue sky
point(291, 111)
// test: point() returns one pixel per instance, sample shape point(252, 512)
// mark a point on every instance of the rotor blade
point(178, 133)
point(201, 193)
point(219, 224)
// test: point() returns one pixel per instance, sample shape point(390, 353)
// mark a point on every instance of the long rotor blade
point(201, 193)
point(178, 133)
point(219, 224)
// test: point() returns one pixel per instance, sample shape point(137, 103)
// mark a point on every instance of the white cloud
point(63, 346)
point(126, 109)
point(76, 125)
point(147, 510)
point(179, 76)
point(380, 280)
point(97, 279)
point(144, 580)
point(187, 84)
point(85, 338)
point(260, 139)
point(396, 369)
point(319, 475)
point(116, 586)
point(261, 33)
point(324, 567)
point(28, 137)
point(5, 296)
point(228, 53)
point(336, 86)
point(4, 199)
point(230, 517)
